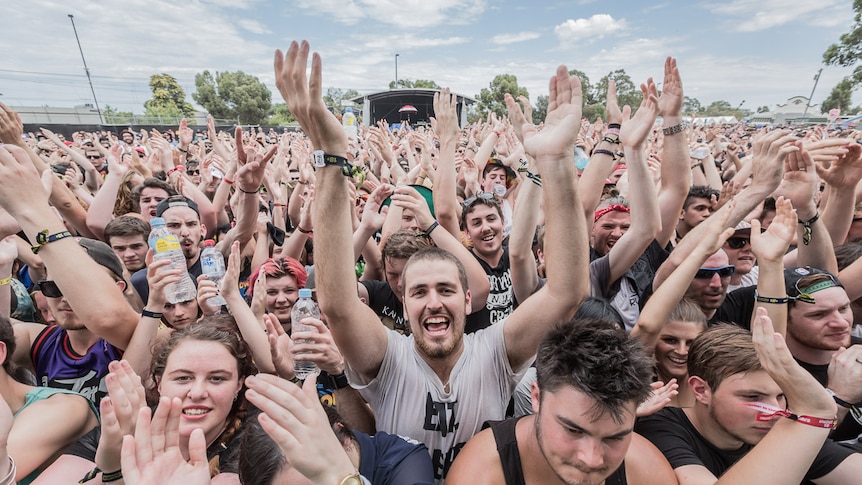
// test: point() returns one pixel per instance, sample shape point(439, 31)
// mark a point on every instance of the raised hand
point(119, 410)
point(280, 347)
point(635, 130)
point(317, 346)
point(670, 101)
point(11, 127)
point(305, 100)
point(659, 397)
point(612, 107)
point(846, 171)
point(772, 244)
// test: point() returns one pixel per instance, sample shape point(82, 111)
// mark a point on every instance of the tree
point(114, 117)
point(169, 99)
point(418, 84)
point(334, 97)
point(840, 97)
point(691, 106)
point(233, 95)
point(722, 108)
point(590, 96)
point(848, 51)
point(594, 111)
point(281, 115)
point(627, 92)
point(763, 109)
point(540, 111)
point(492, 98)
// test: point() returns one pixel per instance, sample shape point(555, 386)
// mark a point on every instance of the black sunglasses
point(486, 196)
point(94, 157)
point(737, 242)
point(708, 273)
point(193, 172)
point(49, 288)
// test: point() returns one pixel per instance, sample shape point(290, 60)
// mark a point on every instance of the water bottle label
point(166, 243)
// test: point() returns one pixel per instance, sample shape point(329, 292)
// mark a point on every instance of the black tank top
point(510, 457)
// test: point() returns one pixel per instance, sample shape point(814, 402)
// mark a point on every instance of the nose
point(198, 389)
point(682, 348)
point(715, 280)
point(590, 454)
point(434, 300)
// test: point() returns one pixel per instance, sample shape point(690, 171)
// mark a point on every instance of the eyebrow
point(573, 425)
point(187, 371)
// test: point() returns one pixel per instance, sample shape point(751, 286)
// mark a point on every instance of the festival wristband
point(42, 238)
point(766, 412)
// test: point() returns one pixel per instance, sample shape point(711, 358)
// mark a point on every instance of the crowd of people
point(680, 309)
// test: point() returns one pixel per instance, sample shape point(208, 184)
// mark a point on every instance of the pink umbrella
point(408, 108)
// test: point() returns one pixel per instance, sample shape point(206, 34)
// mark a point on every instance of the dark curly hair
point(598, 359)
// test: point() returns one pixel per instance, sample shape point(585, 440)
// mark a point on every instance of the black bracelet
point(149, 314)
point(806, 228)
point(611, 140)
point(339, 382)
point(774, 301)
point(246, 191)
point(112, 476)
point(838, 400)
point(612, 126)
point(304, 231)
point(427, 232)
point(602, 151)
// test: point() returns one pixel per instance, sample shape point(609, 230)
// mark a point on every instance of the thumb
point(48, 181)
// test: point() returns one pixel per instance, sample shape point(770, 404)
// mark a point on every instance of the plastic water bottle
point(212, 264)
point(304, 307)
point(581, 158)
point(165, 245)
point(348, 121)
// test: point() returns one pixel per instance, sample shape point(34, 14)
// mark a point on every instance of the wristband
point(612, 131)
point(673, 130)
point(766, 412)
point(613, 141)
point(768, 299)
point(112, 476)
point(42, 238)
point(279, 205)
point(838, 400)
point(149, 314)
point(304, 231)
point(184, 151)
point(246, 191)
point(697, 165)
point(427, 232)
point(601, 151)
point(5, 281)
point(614, 126)
point(339, 382)
point(536, 179)
point(806, 228)
point(10, 476)
point(179, 168)
point(227, 181)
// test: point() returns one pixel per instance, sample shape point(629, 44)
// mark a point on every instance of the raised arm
point(565, 235)
point(354, 326)
point(675, 171)
point(446, 125)
point(842, 176)
point(645, 217)
point(769, 247)
point(602, 161)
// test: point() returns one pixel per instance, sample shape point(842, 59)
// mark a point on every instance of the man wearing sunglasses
point(740, 255)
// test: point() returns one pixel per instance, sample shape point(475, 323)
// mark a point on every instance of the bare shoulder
point(646, 465)
point(480, 453)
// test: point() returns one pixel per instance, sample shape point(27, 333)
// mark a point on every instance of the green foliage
point(281, 116)
point(722, 108)
point(233, 95)
point(691, 106)
point(540, 111)
point(594, 111)
point(169, 99)
point(590, 95)
point(418, 84)
point(334, 97)
point(627, 92)
point(840, 97)
point(492, 97)
point(114, 117)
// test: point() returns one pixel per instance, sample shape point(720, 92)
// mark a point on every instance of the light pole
point(808, 103)
point(396, 71)
point(86, 69)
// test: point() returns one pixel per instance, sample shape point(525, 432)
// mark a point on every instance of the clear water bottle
point(304, 307)
point(348, 121)
point(165, 245)
point(212, 264)
point(581, 158)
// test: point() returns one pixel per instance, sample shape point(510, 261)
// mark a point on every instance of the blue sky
point(760, 51)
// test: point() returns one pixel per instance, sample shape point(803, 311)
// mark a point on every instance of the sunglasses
point(737, 242)
point(94, 157)
point(361, 198)
point(49, 288)
point(486, 196)
point(708, 273)
point(193, 172)
point(805, 294)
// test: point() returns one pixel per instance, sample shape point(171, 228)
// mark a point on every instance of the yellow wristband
point(6, 280)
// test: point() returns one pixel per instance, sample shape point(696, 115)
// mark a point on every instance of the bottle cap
point(305, 293)
point(157, 221)
point(209, 243)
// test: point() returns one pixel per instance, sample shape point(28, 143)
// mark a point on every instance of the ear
point(3, 352)
point(700, 389)
point(467, 298)
point(122, 286)
point(203, 230)
point(535, 396)
point(681, 214)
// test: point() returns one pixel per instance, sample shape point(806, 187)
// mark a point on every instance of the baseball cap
point(176, 201)
point(102, 254)
point(792, 276)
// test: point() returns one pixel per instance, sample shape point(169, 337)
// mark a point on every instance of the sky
point(754, 52)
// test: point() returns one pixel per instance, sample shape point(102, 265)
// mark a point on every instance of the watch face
point(317, 156)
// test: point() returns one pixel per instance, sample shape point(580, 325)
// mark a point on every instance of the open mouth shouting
point(436, 325)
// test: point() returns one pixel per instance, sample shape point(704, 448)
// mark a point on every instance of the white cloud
point(514, 38)
point(407, 14)
point(757, 15)
point(593, 28)
point(254, 27)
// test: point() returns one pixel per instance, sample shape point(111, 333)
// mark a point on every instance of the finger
point(158, 426)
point(197, 447)
point(128, 460)
point(144, 450)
